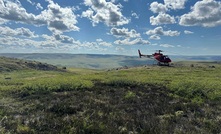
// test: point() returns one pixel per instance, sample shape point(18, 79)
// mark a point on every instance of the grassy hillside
point(12, 64)
point(147, 99)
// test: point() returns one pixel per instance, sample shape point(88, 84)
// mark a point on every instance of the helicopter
point(162, 60)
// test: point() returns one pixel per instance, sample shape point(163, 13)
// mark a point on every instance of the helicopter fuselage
point(161, 58)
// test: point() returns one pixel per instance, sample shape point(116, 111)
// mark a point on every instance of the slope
point(147, 99)
point(12, 64)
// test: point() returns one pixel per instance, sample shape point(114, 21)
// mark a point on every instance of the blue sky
point(183, 27)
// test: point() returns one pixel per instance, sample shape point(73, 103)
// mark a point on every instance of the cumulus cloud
point(7, 31)
point(206, 13)
point(93, 46)
point(55, 43)
point(127, 41)
point(57, 19)
point(106, 12)
point(64, 39)
point(124, 32)
point(188, 32)
point(160, 32)
point(175, 4)
point(162, 18)
point(14, 42)
point(155, 37)
point(103, 43)
point(13, 11)
point(156, 7)
point(38, 5)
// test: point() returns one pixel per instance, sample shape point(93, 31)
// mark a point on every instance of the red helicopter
point(159, 57)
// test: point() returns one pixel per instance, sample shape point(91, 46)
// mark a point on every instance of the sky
point(178, 27)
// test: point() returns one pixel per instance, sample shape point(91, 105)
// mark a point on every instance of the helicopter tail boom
point(147, 56)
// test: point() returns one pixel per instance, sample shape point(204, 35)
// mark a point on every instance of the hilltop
point(12, 64)
point(143, 99)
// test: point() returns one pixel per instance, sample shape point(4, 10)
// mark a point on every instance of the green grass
point(150, 99)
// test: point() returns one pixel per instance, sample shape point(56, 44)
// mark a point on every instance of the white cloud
point(93, 46)
point(155, 37)
point(124, 32)
point(127, 41)
point(166, 45)
point(106, 44)
point(99, 40)
point(103, 43)
point(29, 1)
point(14, 42)
point(65, 39)
point(135, 15)
point(38, 6)
point(55, 43)
point(57, 19)
point(24, 32)
point(3, 21)
point(160, 32)
point(13, 11)
point(206, 13)
point(188, 32)
point(106, 12)
point(156, 7)
point(88, 13)
point(175, 4)
point(162, 18)
point(118, 48)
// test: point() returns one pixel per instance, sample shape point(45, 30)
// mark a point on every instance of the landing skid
point(163, 64)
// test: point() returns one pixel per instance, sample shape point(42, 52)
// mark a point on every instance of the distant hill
point(93, 61)
point(99, 61)
point(197, 58)
point(11, 64)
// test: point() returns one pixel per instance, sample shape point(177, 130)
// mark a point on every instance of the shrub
point(190, 90)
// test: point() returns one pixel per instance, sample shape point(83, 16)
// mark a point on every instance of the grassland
point(147, 99)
